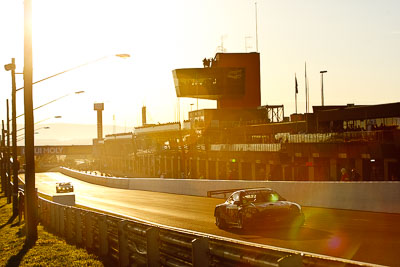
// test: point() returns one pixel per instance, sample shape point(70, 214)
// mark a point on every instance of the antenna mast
point(221, 48)
point(246, 44)
point(256, 28)
point(113, 123)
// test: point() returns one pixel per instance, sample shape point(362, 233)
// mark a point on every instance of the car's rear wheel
point(221, 224)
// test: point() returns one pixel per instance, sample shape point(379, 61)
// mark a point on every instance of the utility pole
point(9, 189)
point(3, 183)
point(30, 192)
point(3, 161)
point(14, 139)
point(11, 67)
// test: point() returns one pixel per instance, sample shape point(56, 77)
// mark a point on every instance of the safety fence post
point(103, 233)
point(89, 230)
point(78, 227)
point(62, 220)
point(40, 210)
point(45, 213)
point(123, 244)
point(293, 260)
point(68, 215)
point(200, 252)
point(153, 247)
point(53, 217)
point(57, 217)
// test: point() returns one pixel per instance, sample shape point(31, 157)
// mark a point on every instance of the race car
point(261, 207)
point(64, 187)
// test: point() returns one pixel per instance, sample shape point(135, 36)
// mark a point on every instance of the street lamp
point(22, 136)
point(77, 67)
point(322, 85)
point(44, 127)
point(56, 117)
point(54, 100)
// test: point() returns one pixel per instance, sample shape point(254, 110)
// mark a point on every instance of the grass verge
point(49, 250)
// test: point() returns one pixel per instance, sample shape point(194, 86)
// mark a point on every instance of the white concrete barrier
point(364, 196)
point(116, 182)
point(65, 199)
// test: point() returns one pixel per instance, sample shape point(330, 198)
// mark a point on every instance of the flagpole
point(256, 27)
point(308, 97)
point(295, 92)
point(305, 81)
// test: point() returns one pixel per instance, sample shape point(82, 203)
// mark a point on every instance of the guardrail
point(127, 241)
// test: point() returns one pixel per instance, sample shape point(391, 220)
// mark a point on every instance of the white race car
point(258, 207)
point(64, 187)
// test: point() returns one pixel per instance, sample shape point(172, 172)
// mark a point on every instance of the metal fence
point(246, 147)
point(126, 242)
point(356, 136)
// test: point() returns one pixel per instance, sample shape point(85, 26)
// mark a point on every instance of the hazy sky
point(356, 41)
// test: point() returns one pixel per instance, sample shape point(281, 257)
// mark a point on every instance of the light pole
point(322, 85)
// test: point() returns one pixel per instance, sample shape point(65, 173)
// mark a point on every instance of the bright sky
point(356, 41)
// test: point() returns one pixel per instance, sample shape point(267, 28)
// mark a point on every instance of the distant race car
point(258, 208)
point(64, 187)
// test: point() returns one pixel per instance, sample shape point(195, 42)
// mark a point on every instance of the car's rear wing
point(226, 192)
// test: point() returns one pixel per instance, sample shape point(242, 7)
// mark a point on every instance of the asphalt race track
point(361, 236)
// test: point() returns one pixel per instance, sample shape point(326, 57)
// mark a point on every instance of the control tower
point(233, 79)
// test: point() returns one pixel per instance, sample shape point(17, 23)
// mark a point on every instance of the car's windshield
point(260, 196)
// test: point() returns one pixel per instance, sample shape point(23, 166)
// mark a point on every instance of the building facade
point(220, 147)
point(243, 140)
